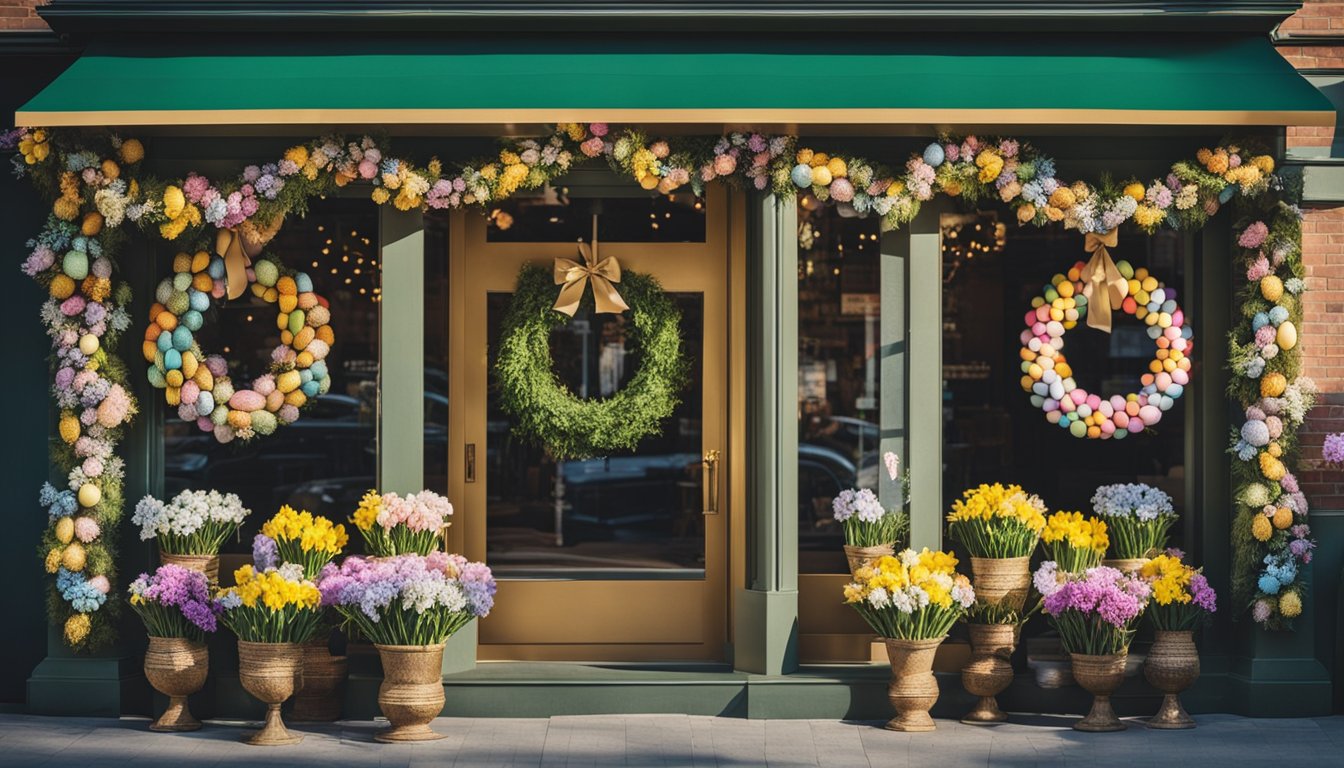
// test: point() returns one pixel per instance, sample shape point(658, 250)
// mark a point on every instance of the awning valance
point(1046, 80)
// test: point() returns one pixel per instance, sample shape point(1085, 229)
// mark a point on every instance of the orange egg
point(166, 320)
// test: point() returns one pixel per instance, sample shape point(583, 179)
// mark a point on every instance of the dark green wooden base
point(97, 687)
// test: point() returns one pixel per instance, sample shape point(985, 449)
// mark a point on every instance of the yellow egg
point(1271, 287)
point(88, 344)
point(1035, 371)
point(189, 365)
point(89, 495)
point(1286, 338)
point(1149, 284)
point(821, 176)
point(288, 381)
point(288, 302)
point(174, 378)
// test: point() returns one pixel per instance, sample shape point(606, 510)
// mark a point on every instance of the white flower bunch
point(862, 504)
point(1132, 500)
point(194, 522)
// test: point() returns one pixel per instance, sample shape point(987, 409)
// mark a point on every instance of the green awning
point(795, 82)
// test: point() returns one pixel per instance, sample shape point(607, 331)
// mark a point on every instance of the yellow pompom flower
point(1134, 190)
point(380, 195)
point(804, 156)
point(53, 560)
point(297, 155)
point(990, 164)
point(34, 147)
point(1290, 605)
point(77, 628)
point(575, 131)
point(1264, 162)
point(131, 151)
point(174, 201)
point(1283, 518)
point(1062, 198)
point(1271, 468)
point(1261, 528)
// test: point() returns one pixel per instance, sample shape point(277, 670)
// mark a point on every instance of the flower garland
point(545, 410)
point(1048, 378)
point(198, 384)
point(92, 191)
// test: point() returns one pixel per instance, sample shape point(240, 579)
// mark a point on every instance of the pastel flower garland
point(1049, 380)
point(89, 191)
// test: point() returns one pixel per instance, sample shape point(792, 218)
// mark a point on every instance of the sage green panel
point(925, 386)
point(401, 371)
point(1103, 72)
point(892, 356)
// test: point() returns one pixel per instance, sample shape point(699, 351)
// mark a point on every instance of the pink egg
point(1180, 345)
point(1079, 396)
point(204, 424)
point(264, 385)
point(1093, 402)
point(190, 391)
point(1177, 319)
point(217, 365)
point(1117, 403)
point(1163, 381)
point(1037, 329)
point(1067, 405)
point(1136, 426)
point(251, 275)
point(1043, 313)
point(1180, 377)
point(1172, 333)
point(217, 290)
point(1050, 405)
point(1053, 417)
point(247, 400)
point(1107, 427)
point(1121, 419)
point(1031, 318)
point(1025, 336)
point(1150, 414)
point(1105, 409)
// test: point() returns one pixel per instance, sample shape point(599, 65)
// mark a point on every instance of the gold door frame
point(599, 620)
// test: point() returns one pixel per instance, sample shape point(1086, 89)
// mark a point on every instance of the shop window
point(555, 217)
point(839, 385)
point(991, 431)
point(327, 459)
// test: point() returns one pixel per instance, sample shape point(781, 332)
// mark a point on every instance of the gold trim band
point(756, 117)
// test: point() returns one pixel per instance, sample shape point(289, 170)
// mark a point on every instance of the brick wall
point(1323, 254)
point(20, 14)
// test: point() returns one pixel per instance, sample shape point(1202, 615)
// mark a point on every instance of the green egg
point(296, 321)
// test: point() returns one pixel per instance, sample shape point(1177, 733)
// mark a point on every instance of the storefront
point(702, 570)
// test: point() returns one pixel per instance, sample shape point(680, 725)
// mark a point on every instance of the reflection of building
point(810, 355)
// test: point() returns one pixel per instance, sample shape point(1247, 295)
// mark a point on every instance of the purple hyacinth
point(265, 554)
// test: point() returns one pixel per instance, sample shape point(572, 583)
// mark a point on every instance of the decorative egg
point(191, 392)
point(220, 415)
point(1286, 337)
point(216, 269)
point(186, 412)
point(198, 300)
point(155, 376)
point(1150, 414)
point(274, 400)
point(1271, 287)
point(172, 359)
point(88, 344)
point(313, 388)
point(247, 400)
point(89, 495)
point(74, 557)
point(76, 265)
point(303, 282)
point(174, 381)
point(1078, 429)
point(181, 339)
point(178, 303)
point(205, 401)
point(264, 422)
point(801, 175)
point(267, 271)
point(65, 530)
point(933, 155)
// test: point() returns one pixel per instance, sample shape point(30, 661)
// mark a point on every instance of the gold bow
point(574, 276)
point(1105, 287)
point(237, 245)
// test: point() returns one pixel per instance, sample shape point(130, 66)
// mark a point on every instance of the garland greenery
point(546, 411)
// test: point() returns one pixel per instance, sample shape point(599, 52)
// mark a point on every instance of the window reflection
point(839, 308)
point(324, 461)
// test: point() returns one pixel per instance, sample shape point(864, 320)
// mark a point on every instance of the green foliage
point(546, 411)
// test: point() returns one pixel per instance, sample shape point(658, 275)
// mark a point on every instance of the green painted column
point(893, 355)
point(924, 340)
point(766, 620)
point(401, 378)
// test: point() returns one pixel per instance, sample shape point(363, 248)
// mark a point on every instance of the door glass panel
point(557, 218)
point(635, 514)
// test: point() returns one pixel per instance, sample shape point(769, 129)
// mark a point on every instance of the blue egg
point(181, 339)
point(802, 175)
point(1278, 315)
point(305, 376)
point(303, 282)
point(1175, 390)
point(1228, 193)
point(319, 369)
point(205, 402)
point(165, 341)
point(1259, 321)
point(216, 269)
point(172, 359)
point(934, 155)
point(193, 320)
point(1169, 306)
point(155, 377)
point(1164, 403)
point(197, 300)
point(1154, 331)
point(1187, 333)
point(310, 388)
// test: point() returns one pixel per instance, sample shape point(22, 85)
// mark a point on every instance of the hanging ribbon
point(230, 245)
point(1105, 287)
point(574, 276)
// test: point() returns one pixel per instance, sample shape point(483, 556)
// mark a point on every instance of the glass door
point(612, 558)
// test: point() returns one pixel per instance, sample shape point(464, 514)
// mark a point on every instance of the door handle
point(710, 463)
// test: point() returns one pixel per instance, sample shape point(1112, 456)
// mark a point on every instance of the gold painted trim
point(762, 118)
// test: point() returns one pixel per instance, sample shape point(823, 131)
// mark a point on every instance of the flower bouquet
point(1096, 613)
point(273, 612)
point(409, 605)
point(1181, 599)
point(1075, 543)
point(911, 601)
point(1137, 517)
point(176, 608)
point(871, 530)
point(999, 527)
point(301, 538)
point(396, 525)
point(191, 528)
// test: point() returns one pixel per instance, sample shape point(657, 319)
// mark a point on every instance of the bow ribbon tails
point(1105, 287)
point(573, 276)
point(234, 249)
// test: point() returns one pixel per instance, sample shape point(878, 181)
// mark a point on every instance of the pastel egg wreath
point(1048, 378)
point(198, 384)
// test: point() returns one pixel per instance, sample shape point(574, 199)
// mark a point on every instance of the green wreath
point(543, 407)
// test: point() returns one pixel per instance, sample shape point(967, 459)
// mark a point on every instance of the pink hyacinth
point(86, 529)
point(1254, 235)
point(195, 187)
point(598, 129)
point(40, 260)
point(1257, 269)
point(592, 147)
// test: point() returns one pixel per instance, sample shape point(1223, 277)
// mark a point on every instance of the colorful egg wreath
point(198, 384)
point(1047, 376)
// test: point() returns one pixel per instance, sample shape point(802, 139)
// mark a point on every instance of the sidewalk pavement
point(679, 740)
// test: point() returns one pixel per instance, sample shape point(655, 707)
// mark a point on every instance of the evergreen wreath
point(543, 407)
